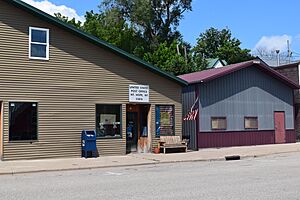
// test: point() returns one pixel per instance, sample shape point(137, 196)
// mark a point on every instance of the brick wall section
point(291, 71)
point(297, 120)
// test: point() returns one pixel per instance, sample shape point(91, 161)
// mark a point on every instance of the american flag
point(192, 114)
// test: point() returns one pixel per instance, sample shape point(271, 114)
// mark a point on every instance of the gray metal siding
point(189, 127)
point(247, 92)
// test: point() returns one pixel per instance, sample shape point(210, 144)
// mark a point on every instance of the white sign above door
point(139, 93)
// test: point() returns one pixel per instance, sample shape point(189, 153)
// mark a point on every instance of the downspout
point(298, 74)
point(296, 95)
point(294, 115)
point(197, 94)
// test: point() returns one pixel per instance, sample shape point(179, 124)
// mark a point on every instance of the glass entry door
point(131, 131)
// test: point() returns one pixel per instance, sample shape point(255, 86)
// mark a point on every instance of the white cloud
point(51, 8)
point(272, 43)
point(297, 37)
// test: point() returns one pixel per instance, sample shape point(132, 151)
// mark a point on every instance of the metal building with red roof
point(247, 103)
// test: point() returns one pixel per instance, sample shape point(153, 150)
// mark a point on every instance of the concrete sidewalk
point(30, 166)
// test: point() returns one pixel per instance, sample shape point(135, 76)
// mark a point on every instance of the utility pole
point(278, 61)
point(289, 51)
point(185, 54)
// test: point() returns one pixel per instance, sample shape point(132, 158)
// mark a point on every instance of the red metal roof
point(210, 74)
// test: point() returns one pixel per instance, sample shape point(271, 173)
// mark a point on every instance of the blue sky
point(257, 23)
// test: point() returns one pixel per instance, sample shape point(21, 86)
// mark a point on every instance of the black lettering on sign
point(142, 91)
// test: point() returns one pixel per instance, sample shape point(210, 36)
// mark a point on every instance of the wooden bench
point(172, 142)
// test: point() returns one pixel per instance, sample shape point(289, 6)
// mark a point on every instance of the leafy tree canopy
point(148, 29)
point(172, 58)
point(156, 19)
point(214, 43)
point(73, 21)
point(110, 26)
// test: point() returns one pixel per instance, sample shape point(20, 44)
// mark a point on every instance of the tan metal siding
point(67, 87)
point(1, 135)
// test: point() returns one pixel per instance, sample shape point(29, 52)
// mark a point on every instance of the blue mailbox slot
point(88, 143)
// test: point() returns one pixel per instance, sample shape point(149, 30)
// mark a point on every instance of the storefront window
point(22, 121)
point(108, 120)
point(164, 120)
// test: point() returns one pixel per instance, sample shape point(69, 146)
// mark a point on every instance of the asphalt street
point(271, 177)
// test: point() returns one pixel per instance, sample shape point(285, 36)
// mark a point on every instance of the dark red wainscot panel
point(290, 136)
point(237, 138)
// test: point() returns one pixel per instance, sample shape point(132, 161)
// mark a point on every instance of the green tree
point(172, 58)
point(157, 20)
point(110, 26)
point(214, 43)
point(73, 21)
point(145, 28)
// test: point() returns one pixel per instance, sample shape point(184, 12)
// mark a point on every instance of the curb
point(108, 166)
point(72, 169)
point(139, 164)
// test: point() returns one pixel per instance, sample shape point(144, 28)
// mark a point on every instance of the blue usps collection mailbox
point(88, 143)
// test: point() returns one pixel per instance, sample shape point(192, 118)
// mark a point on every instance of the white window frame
point(47, 43)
